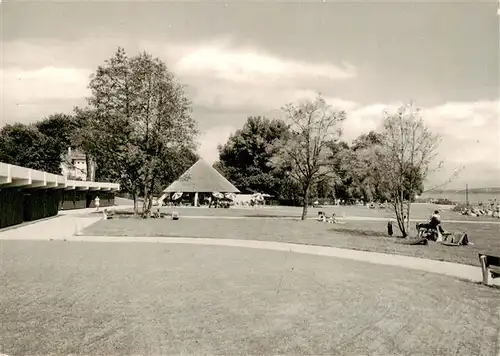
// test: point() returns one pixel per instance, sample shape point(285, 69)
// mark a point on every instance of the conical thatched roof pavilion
point(201, 178)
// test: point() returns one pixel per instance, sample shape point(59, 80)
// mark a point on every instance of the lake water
point(459, 197)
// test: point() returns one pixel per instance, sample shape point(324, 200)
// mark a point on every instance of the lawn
point(64, 298)
point(419, 212)
point(360, 235)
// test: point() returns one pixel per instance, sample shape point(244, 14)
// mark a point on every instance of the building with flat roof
point(28, 194)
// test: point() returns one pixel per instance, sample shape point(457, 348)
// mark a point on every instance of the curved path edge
point(456, 270)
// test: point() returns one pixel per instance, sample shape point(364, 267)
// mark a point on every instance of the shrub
point(443, 201)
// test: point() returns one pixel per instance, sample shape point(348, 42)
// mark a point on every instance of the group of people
point(323, 218)
point(433, 230)
point(493, 212)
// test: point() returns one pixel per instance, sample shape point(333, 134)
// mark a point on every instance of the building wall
point(72, 199)
point(18, 205)
point(105, 199)
point(80, 199)
point(11, 207)
point(40, 203)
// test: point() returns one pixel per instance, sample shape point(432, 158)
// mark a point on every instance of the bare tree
point(304, 153)
point(406, 153)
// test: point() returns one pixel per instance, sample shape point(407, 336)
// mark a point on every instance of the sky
point(245, 59)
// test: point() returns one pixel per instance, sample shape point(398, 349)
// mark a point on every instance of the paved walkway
point(69, 227)
point(59, 227)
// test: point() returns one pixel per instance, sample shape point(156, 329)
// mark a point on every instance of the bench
point(491, 265)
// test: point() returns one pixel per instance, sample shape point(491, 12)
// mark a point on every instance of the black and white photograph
point(315, 177)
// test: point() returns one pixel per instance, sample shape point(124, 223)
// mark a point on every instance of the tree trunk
point(151, 190)
point(408, 209)
point(399, 212)
point(404, 231)
point(305, 203)
point(136, 205)
point(88, 170)
point(145, 203)
point(146, 206)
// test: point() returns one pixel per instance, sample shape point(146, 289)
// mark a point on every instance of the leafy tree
point(245, 158)
point(83, 139)
point(313, 125)
point(407, 150)
point(340, 156)
point(357, 170)
point(366, 141)
point(174, 164)
point(39, 145)
point(138, 114)
point(59, 129)
point(24, 145)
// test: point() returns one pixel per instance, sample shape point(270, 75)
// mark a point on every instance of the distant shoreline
point(489, 190)
point(475, 195)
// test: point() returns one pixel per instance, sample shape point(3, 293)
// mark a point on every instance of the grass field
point(360, 235)
point(419, 212)
point(63, 298)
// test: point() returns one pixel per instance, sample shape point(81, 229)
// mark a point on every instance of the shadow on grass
point(360, 232)
point(272, 216)
point(493, 286)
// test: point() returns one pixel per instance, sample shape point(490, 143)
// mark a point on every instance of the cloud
point(219, 60)
point(210, 139)
point(257, 97)
point(29, 95)
point(362, 119)
point(470, 137)
point(85, 53)
point(470, 140)
point(50, 70)
point(44, 83)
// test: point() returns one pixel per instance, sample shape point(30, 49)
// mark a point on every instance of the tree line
point(303, 157)
point(138, 129)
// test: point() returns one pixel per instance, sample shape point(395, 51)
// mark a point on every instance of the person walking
point(96, 203)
